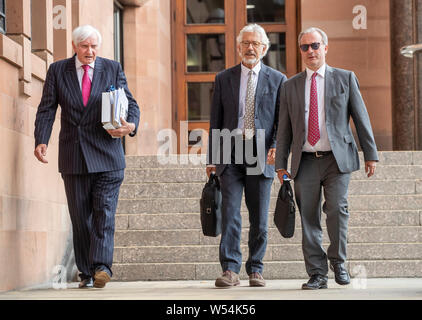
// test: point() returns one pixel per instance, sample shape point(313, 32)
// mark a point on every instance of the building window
point(2, 16)
point(118, 32)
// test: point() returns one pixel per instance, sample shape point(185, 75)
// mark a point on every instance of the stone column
point(406, 29)
point(42, 30)
point(62, 25)
point(418, 75)
point(19, 30)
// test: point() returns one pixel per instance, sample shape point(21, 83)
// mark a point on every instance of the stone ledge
point(11, 51)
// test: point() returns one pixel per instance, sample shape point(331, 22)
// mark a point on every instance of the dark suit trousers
point(92, 200)
point(315, 173)
point(257, 197)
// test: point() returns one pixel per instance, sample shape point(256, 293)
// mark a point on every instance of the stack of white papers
point(114, 107)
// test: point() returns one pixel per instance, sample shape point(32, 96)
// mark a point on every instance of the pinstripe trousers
point(92, 201)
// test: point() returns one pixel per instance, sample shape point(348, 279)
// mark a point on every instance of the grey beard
point(250, 61)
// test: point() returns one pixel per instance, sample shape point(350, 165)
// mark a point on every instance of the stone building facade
point(145, 36)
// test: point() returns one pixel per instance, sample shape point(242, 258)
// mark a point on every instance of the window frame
point(3, 17)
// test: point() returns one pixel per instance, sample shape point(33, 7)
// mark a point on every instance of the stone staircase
point(158, 232)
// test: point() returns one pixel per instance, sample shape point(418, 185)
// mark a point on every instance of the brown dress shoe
point(227, 280)
point(256, 280)
point(101, 278)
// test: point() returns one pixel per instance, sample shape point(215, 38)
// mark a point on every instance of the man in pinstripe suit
point(91, 161)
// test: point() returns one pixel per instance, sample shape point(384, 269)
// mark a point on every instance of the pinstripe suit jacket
point(84, 145)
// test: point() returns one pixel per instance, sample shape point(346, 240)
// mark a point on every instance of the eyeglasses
point(313, 45)
point(254, 44)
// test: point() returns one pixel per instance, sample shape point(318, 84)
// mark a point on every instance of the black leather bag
point(284, 215)
point(210, 205)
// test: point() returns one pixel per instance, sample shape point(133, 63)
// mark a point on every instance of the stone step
point(274, 252)
point(158, 231)
point(165, 174)
point(180, 221)
point(190, 205)
point(194, 189)
point(359, 270)
point(187, 161)
point(130, 238)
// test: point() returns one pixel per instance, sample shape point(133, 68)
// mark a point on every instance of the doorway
point(204, 43)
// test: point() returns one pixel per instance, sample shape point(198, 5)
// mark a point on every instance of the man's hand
point(370, 167)
point(40, 152)
point(124, 130)
point(271, 156)
point(209, 170)
point(281, 173)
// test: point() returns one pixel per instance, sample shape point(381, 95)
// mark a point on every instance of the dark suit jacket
point(84, 145)
point(225, 110)
point(342, 102)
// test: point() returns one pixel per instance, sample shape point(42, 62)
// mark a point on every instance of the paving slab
point(359, 289)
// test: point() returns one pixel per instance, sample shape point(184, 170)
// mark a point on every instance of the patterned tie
point(86, 85)
point(313, 125)
point(250, 107)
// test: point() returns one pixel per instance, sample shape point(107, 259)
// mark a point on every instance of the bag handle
point(286, 189)
point(214, 180)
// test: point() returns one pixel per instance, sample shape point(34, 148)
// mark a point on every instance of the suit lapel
point(261, 85)
point(330, 88)
point(97, 79)
point(300, 92)
point(72, 82)
point(235, 85)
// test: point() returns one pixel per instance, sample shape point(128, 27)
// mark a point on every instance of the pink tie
point(313, 126)
point(86, 85)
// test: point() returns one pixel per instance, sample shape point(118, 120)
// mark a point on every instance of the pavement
point(359, 289)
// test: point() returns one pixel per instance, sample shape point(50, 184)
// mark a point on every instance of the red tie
point(313, 126)
point(86, 85)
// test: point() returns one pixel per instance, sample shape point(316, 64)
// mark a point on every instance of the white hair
point(258, 29)
point(314, 29)
point(82, 33)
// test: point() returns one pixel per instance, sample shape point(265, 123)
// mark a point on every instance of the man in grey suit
point(315, 109)
point(91, 160)
point(241, 152)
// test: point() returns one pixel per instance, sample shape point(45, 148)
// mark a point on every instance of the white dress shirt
point(323, 143)
point(244, 77)
point(80, 71)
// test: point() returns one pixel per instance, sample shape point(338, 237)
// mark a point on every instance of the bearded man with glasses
point(315, 110)
point(245, 103)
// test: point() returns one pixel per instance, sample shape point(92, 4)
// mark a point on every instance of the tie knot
point(85, 67)
point(314, 75)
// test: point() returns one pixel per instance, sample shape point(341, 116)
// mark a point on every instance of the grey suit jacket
point(225, 110)
point(342, 102)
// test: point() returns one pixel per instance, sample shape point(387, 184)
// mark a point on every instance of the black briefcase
point(284, 215)
point(210, 205)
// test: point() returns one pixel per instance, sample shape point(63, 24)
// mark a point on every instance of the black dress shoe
point(340, 273)
point(86, 283)
point(316, 281)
